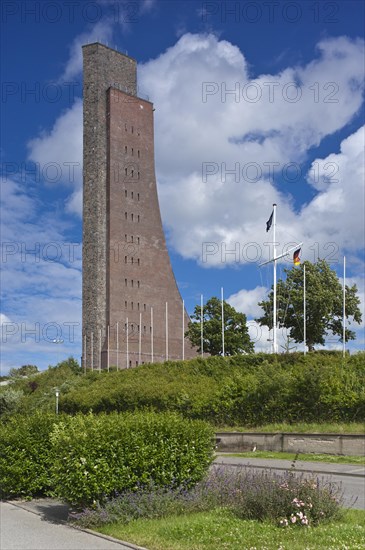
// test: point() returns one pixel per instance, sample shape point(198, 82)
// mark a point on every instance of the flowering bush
point(313, 506)
point(247, 493)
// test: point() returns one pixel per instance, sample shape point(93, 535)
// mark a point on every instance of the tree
point(324, 304)
point(25, 370)
point(236, 337)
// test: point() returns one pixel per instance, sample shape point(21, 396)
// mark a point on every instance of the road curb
point(305, 470)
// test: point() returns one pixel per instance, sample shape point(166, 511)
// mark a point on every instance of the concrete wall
point(335, 444)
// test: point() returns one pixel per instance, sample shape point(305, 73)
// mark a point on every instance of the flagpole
point(92, 351)
point(140, 340)
point(151, 334)
point(167, 330)
point(223, 351)
point(117, 345)
point(183, 330)
point(108, 343)
point(127, 336)
point(344, 309)
point(201, 324)
point(99, 350)
point(85, 353)
point(304, 312)
point(274, 301)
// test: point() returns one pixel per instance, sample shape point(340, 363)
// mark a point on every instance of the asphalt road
point(350, 477)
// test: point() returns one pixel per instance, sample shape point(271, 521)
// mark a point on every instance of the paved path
point(350, 477)
point(37, 525)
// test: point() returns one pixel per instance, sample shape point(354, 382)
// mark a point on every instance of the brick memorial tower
point(132, 309)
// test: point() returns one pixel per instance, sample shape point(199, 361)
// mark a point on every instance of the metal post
point(167, 330)
point(151, 334)
point(99, 349)
point(201, 325)
point(127, 329)
point(222, 303)
point(140, 340)
point(183, 330)
point(304, 312)
point(117, 346)
point(275, 345)
point(344, 309)
point(108, 343)
point(57, 396)
point(85, 353)
point(92, 350)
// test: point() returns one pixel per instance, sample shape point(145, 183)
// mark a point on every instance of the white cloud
point(191, 131)
point(336, 214)
point(147, 5)
point(246, 301)
point(59, 151)
point(4, 319)
point(40, 281)
point(101, 32)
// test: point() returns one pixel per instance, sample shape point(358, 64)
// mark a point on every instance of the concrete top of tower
point(109, 48)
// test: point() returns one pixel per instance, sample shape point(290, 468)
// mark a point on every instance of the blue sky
point(256, 102)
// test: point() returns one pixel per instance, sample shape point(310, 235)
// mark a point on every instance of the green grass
point(312, 457)
point(220, 529)
point(304, 427)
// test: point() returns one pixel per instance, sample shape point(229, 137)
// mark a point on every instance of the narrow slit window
point(125, 149)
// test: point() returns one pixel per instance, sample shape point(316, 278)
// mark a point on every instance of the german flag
point(296, 258)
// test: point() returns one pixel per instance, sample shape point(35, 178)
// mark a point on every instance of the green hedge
point(85, 458)
point(240, 390)
point(248, 390)
point(98, 456)
point(25, 455)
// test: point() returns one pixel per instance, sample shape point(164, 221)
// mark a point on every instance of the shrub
point(95, 456)
point(240, 390)
point(25, 455)
point(249, 494)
